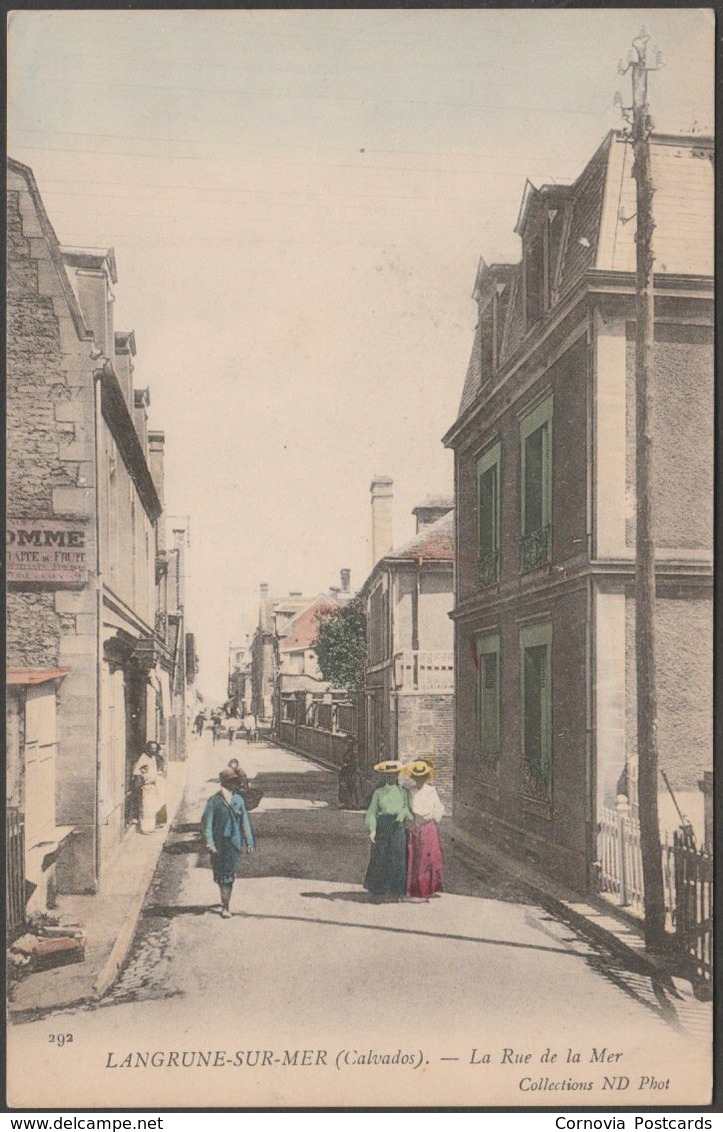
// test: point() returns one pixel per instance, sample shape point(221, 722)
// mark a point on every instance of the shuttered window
point(536, 487)
point(536, 694)
point(488, 516)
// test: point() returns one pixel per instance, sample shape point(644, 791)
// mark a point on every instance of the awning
point(34, 675)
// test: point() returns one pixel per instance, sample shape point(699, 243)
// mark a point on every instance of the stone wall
point(51, 473)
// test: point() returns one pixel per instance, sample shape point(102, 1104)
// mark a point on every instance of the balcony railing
point(535, 549)
point(488, 569)
point(424, 671)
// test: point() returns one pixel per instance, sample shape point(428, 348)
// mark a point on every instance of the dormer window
point(535, 277)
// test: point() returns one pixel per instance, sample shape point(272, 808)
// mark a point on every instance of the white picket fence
point(620, 860)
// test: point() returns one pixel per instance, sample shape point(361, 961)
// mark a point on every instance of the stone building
point(545, 505)
point(283, 642)
point(409, 677)
point(89, 664)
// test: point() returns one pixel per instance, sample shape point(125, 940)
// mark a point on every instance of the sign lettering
point(50, 551)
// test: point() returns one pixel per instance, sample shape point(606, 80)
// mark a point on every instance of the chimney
point(156, 445)
point(345, 581)
point(432, 509)
point(264, 591)
point(382, 514)
point(141, 401)
point(125, 351)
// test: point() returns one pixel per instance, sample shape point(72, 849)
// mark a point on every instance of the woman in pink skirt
point(425, 865)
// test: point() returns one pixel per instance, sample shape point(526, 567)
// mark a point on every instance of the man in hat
point(227, 829)
point(386, 876)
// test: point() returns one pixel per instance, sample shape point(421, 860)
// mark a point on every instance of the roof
point(25, 173)
point(303, 630)
point(592, 227)
point(34, 675)
point(434, 543)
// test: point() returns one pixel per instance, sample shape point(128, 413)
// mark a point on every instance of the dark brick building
point(545, 503)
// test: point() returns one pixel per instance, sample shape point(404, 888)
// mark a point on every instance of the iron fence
point(694, 910)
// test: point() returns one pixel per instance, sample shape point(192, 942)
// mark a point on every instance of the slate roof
point(434, 543)
point(594, 228)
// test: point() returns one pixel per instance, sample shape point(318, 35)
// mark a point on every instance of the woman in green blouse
point(388, 810)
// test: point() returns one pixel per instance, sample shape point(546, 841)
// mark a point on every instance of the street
point(482, 997)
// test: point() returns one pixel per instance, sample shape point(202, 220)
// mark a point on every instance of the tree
point(341, 646)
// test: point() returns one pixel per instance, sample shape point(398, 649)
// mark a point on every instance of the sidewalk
point(108, 918)
point(589, 914)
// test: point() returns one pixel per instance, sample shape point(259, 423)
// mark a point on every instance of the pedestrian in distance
point(425, 863)
point(226, 827)
point(233, 724)
point(235, 767)
point(199, 723)
point(349, 780)
point(386, 876)
point(250, 727)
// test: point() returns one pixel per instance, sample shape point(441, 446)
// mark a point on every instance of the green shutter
point(488, 697)
point(536, 486)
point(488, 515)
point(536, 655)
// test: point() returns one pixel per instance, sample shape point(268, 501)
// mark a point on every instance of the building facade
point(89, 672)
point(545, 448)
point(283, 643)
point(409, 677)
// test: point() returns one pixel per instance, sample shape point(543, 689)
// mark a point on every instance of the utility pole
point(647, 711)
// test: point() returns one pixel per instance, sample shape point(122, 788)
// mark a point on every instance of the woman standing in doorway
point(145, 782)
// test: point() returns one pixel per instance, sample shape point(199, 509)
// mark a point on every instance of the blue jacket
point(222, 822)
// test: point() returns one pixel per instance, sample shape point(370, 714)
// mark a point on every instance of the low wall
point(327, 746)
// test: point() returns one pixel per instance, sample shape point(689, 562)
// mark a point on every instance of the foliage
point(341, 646)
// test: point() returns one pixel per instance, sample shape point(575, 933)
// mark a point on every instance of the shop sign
point(47, 551)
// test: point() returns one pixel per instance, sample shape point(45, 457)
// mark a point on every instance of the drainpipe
point(591, 807)
point(97, 391)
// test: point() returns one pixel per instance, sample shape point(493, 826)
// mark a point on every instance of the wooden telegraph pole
point(641, 124)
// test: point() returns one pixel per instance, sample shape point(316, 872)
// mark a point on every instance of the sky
point(298, 201)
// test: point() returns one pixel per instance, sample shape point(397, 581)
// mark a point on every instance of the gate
point(694, 905)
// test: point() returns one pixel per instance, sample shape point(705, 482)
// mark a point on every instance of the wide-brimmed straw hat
point(418, 769)
point(390, 766)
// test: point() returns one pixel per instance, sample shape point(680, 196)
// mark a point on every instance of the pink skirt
point(425, 864)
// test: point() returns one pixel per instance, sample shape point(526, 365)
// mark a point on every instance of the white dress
point(146, 773)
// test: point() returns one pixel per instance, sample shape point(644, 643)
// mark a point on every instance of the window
point(536, 691)
point(488, 516)
point(536, 487)
point(488, 697)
